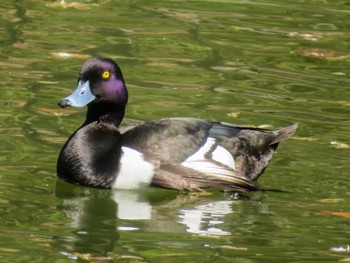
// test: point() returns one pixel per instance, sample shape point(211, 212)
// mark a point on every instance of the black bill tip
point(64, 103)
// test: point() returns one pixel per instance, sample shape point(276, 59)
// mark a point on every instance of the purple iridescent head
point(100, 86)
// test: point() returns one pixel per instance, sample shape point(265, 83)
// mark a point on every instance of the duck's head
point(101, 87)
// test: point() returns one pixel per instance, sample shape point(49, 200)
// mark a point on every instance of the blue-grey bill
point(80, 97)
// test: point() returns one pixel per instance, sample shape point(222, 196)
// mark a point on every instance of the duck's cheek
point(134, 172)
point(114, 90)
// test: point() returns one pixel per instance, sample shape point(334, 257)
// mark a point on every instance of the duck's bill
point(80, 97)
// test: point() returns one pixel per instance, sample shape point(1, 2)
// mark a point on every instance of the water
point(264, 63)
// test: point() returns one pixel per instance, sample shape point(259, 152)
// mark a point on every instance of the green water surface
point(265, 63)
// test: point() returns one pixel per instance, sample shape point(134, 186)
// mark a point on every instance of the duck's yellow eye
point(106, 75)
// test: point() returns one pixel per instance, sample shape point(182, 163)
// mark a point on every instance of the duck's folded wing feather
point(214, 176)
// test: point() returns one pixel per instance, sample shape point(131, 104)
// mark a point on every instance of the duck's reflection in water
point(131, 206)
point(205, 219)
point(97, 218)
point(91, 220)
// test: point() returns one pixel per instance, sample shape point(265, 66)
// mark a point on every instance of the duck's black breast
point(91, 156)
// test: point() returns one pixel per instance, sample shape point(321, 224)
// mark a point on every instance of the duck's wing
point(198, 153)
point(172, 140)
point(184, 156)
point(179, 177)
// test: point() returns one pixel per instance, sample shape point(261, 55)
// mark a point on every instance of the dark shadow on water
point(274, 190)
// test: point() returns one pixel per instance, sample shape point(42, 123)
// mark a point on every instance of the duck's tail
point(284, 134)
point(254, 165)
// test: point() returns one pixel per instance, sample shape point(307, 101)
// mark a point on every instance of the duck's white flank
point(134, 171)
point(220, 155)
point(223, 156)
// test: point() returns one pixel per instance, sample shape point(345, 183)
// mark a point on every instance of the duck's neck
point(105, 112)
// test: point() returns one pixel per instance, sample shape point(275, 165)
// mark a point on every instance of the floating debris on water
point(323, 54)
point(332, 200)
point(233, 114)
point(339, 145)
point(341, 249)
point(341, 214)
point(69, 55)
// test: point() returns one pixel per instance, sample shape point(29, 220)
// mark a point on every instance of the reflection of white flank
point(74, 210)
point(205, 219)
point(129, 207)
